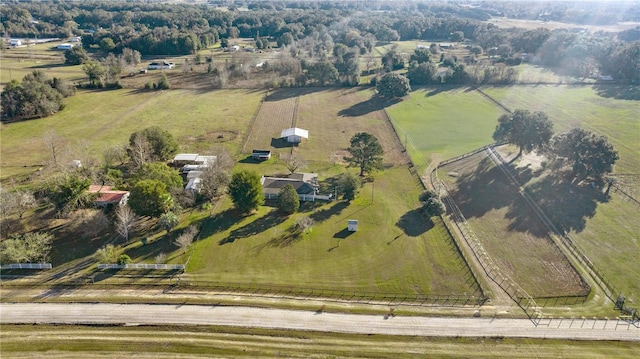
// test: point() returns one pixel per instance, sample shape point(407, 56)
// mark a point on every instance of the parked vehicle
point(161, 65)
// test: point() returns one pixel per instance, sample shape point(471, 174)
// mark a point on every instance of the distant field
point(105, 118)
point(581, 106)
point(552, 25)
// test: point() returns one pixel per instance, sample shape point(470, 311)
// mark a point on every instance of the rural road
point(132, 314)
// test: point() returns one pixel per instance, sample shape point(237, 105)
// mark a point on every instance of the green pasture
point(61, 341)
point(594, 108)
point(99, 119)
point(395, 250)
point(443, 122)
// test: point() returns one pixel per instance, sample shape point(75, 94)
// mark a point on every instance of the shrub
point(124, 259)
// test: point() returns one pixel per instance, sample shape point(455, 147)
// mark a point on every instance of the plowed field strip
point(273, 117)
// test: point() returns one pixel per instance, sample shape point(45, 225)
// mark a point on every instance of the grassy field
point(443, 122)
point(593, 223)
point(17, 62)
point(183, 341)
point(95, 120)
point(393, 251)
point(581, 106)
point(508, 228)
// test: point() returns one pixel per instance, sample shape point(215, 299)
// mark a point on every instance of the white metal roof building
point(185, 157)
point(294, 134)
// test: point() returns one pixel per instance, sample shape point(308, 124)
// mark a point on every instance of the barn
point(294, 134)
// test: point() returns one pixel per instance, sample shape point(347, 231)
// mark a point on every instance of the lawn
point(443, 122)
point(94, 120)
point(394, 250)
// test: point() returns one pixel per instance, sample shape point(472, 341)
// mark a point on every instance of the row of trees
point(589, 155)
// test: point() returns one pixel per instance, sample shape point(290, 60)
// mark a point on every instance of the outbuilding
point(294, 134)
point(65, 46)
point(261, 155)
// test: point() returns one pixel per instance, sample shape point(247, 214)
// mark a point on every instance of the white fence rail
point(26, 266)
point(142, 266)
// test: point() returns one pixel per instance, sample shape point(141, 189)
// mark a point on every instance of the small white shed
point(294, 134)
point(352, 225)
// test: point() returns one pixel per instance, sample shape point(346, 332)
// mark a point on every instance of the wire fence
point(142, 266)
point(565, 241)
point(324, 294)
point(26, 266)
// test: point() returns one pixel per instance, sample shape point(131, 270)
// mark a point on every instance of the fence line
point(624, 193)
point(142, 266)
point(569, 244)
point(340, 295)
point(499, 161)
point(525, 301)
point(26, 266)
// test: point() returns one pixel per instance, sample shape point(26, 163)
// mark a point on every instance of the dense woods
point(317, 26)
point(320, 43)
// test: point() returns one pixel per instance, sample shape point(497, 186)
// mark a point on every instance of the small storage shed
point(294, 134)
point(261, 155)
point(65, 46)
point(352, 225)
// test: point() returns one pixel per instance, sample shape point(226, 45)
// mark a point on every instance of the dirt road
point(132, 314)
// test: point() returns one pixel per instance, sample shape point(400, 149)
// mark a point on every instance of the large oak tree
point(525, 129)
point(588, 154)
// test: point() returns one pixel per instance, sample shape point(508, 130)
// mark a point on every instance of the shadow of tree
point(375, 103)
point(482, 190)
point(260, 225)
point(413, 223)
point(220, 223)
point(165, 244)
point(326, 213)
point(432, 91)
point(620, 92)
point(286, 239)
point(283, 94)
point(566, 204)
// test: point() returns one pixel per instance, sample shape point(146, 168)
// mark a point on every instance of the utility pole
point(373, 188)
